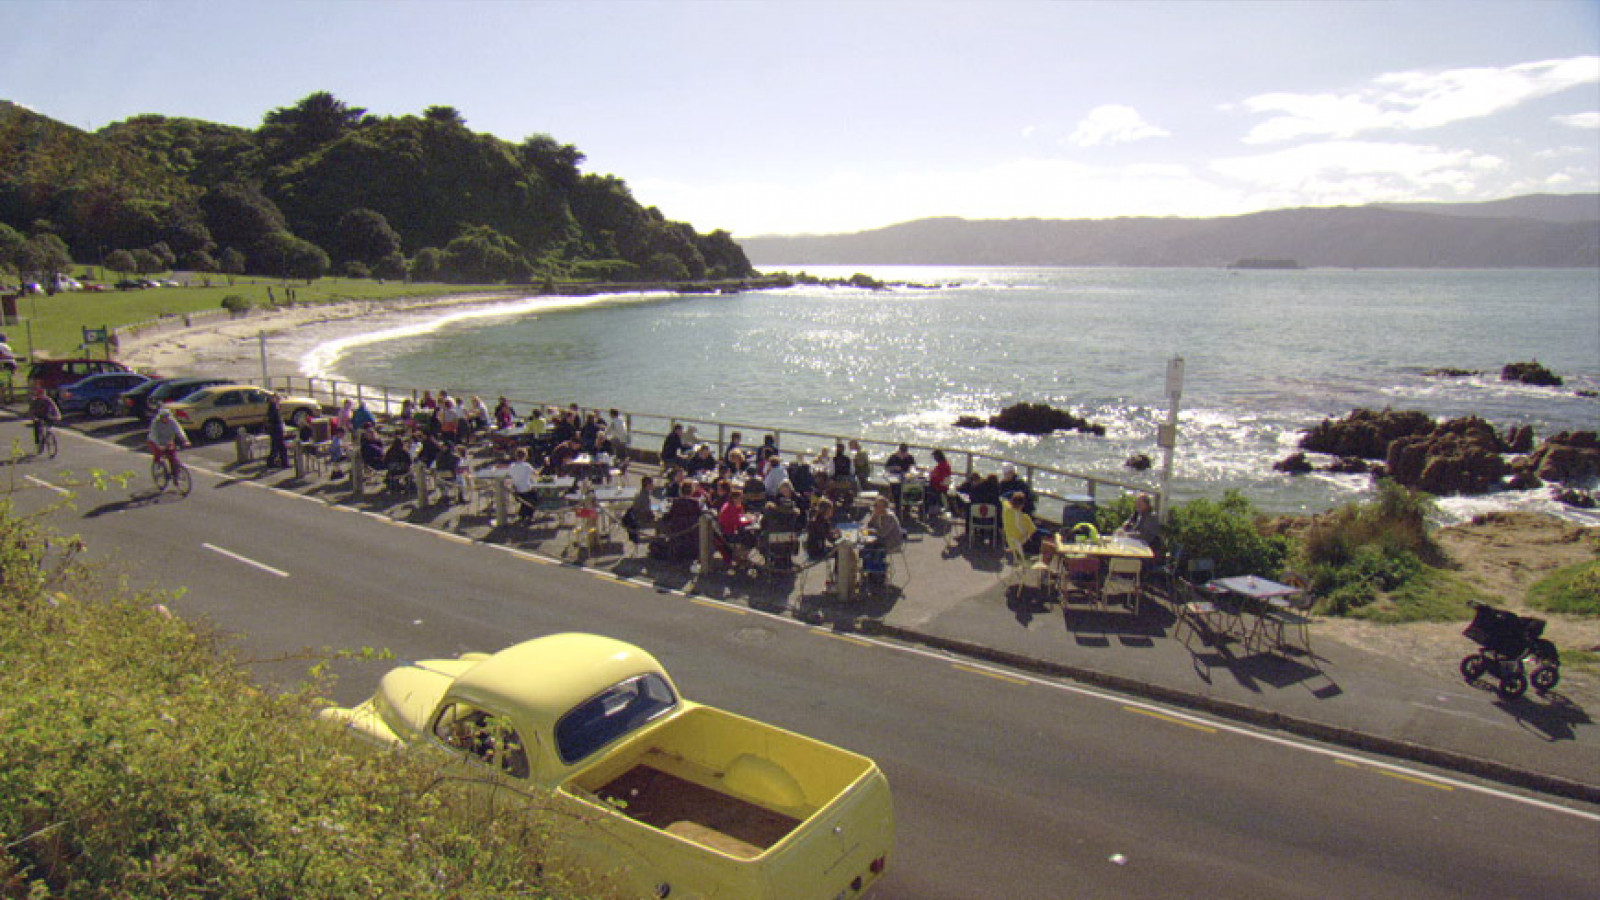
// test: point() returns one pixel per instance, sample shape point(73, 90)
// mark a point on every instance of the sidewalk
point(952, 598)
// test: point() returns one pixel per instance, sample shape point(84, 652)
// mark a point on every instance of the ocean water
point(1266, 354)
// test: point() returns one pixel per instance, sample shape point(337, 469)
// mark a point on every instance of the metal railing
point(644, 427)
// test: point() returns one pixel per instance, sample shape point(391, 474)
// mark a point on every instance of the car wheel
point(99, 409)
point(214, 429)
point(301, 418)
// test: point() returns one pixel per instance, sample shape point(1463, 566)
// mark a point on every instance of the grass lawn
point(55, 324)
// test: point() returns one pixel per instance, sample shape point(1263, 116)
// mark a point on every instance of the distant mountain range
point(1533, 231)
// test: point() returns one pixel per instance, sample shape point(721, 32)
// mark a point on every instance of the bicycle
point(175, 476)
point(47, 444)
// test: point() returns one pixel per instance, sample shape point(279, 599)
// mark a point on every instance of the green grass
point(138, 760)
point(56, 323)
point(1428, 595)
point(1574, 590)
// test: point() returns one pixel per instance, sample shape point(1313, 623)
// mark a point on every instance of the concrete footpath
point(946, 595)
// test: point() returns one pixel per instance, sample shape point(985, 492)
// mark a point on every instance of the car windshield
point(616, 711)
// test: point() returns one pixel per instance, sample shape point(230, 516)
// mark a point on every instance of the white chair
point(1022, 570)
point(983, 524)
point(1122, 580)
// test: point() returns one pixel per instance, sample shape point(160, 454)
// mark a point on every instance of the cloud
point(1334, 173)
point(1580, 120)
point(1113, 124)
point(1413, 101)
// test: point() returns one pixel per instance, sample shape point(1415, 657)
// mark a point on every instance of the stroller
point(1509, 644)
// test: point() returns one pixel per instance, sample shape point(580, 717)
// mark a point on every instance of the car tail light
point(182, 415)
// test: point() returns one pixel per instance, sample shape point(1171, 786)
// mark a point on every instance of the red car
point(52, 374)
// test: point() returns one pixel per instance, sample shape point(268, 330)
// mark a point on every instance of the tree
point(45, 255)
point(232, 263)
point(146, 261)
point(364, 236)
point(315, 121)
point(240, 216)
point(482, 255)
point(12, 243)
point(391, 266)
point(554, 161)
point(427, 265)
point(283, 255)
point(121, 262)
point(445, 115)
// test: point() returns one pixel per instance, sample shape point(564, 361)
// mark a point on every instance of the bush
point(1225, 532)
point(235, 303)
point(138, 761)
point(1574, 590)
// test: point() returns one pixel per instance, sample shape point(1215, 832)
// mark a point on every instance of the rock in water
point(1530, 373)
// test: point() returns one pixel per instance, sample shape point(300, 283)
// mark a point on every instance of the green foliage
point(1225, 532)
point(1574, 590)
point(137, 761)
point(236, 303)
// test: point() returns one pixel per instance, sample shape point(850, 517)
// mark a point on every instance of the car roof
point(109, 376)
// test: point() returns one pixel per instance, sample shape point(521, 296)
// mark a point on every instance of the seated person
point(884, 526)
point(640, 513)
point(562, 454)
point(987, 490)
point(371, 448)
point(779, 518)
point(738, 533)
point(449, 464)
point(676, 482)
point(900, 462)
point(801, 477)
point(1011, 483)
point(700, 461)
point(939, 480)
point(1143, 524)
point(362, 417)
point(396, 464)
point(821, 533)
point(1020, 527)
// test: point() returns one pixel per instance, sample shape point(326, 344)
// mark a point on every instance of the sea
point(1265, 354)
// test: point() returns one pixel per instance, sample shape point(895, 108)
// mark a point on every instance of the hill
point(1541, 231)
point(323, 186)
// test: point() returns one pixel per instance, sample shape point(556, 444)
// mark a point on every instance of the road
point(1005, 785)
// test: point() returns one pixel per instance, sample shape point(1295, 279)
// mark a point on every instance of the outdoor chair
point(983, 524)
point(1195, 609)
point(1082, 576)
point(1122, 580)
point(913, 494)
point(1022, 570)
point(778, 550)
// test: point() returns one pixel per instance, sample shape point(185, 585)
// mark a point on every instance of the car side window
point(484, 735)
point(230, 398)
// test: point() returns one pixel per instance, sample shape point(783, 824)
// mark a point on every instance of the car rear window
point(616, 711)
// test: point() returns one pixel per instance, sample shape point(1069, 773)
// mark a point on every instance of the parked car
point(670, 797)
point(97, 396)
point(215, 412)
point(178, 389)
point(132, 401)
point(54, 374)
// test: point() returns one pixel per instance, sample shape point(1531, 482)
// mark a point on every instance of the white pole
point(261, 336)
point(1168, 439)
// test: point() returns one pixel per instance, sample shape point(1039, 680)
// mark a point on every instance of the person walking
point(278, 445)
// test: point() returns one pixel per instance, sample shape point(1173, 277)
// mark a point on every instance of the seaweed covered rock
point(1039, 418)
point(1519, 439)
point(1571, 458)
point(1530, 373)
point(1365, 433)
point(1138, 462)
point(1294, 464)
point(1461, 456)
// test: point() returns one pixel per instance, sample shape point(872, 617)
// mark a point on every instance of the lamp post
point(1168, 438)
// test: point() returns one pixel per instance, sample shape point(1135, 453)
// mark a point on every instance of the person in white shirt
point(617, 434)
point(521, 474)
point(777, 474)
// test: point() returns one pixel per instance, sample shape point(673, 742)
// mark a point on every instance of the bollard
point(358, 475)
point(299, 449)
point(502, 503)
point(706, 546)
point(241, 446)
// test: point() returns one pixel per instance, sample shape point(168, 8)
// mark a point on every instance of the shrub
point(1225, 532)
point(235, 303)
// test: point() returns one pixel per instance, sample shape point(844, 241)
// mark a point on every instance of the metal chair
point(1082, 575)
point(778, 550)
point(1195, 609)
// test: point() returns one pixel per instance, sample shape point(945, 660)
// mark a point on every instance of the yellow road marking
point(1425, 782)
point(715, 605)
point(841, 637)
point(988, 674)
point(1173, 719)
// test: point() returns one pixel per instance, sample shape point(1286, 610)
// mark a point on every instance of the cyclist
point(46, 415)
point(166, 436)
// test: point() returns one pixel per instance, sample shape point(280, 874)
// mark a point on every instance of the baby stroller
point(1509, 644)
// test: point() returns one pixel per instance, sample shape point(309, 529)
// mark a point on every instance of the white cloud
point(1356, 172)
point(1581, 120)
point(1412, 101)
point(1113, 124)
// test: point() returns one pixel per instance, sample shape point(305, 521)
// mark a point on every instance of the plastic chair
point(1021, 569)
point(1122, 580)
point(983, 524)
point(1082, 574)
point(913, 494)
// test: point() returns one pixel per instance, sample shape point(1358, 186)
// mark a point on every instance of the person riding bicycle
point(46, 415)
point(166, 436)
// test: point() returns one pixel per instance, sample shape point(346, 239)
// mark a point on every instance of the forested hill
point(1533, 231)
point(322, 186)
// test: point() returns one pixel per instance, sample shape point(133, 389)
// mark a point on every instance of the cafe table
point(1259, 597)
point(847, 560)
point(1114, 547)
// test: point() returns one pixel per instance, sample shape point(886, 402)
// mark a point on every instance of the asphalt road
point(1005, 785)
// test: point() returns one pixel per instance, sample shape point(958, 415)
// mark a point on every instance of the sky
point(826, 117)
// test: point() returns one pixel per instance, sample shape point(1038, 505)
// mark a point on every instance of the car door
point(252, 407)
point(230, 407)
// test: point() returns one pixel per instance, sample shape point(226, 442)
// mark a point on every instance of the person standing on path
point(278, 448)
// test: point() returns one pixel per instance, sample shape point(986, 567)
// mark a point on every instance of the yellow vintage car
point(674, 798)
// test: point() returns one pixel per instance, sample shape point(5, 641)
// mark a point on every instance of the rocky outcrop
point(1575, 499)
point(1034, 418)
point(1450, 372)
point(1293, 464)
point(1530, 373)
point(1571, 458)
point(1519, 439)
point(1138, 462)
point(1365, 433)
point(1461, 456)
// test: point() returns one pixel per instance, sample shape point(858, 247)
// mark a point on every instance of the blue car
point(97, 395)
